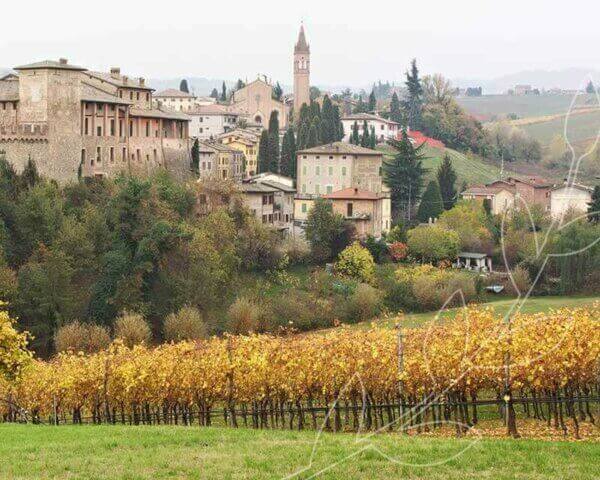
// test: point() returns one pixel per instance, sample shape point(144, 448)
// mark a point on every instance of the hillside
point(469, 168)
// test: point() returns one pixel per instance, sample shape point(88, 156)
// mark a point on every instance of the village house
point(75, 122)
point(384, 129)
point(210, 121)
point(283, 210)
point(569, 198)
point(174, 99)
point(336, 167)
point(217, 160)
point(500, 198)
point(247, 141)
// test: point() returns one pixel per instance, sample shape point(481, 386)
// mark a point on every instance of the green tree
point(183, 86)
point(313, 134)
point(338, 125)
point(414, 101)
point(594, 206)
point(327, 232)
point(355, 138)
point(240, 84)
point(395, 109)
point(432, 243)
point(446, 177)
point(364, 139)
point(372, 138)
point(590, 88)
point(263, 152)
point(372, 106)
point(273, 142)
point(277, 92)
point(288, 154)
point(431, 205)
point(403, 174)
point(196, 157)
point(30, 176)
point(214, 94)
point(329, 127)
point(357, 262)
point(223, 92)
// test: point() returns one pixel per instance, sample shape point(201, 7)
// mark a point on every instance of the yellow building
point(247, 142)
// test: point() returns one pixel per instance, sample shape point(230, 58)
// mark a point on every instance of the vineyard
point(378, 379)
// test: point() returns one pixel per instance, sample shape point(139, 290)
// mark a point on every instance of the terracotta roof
point(50, 64)
point(120, 80)
point(159, 113)
point(341, 147)
point(368, 116)
point(173, 93)
point(9, 91)
point(352, 194)
point(90, 93)
point(536, 182)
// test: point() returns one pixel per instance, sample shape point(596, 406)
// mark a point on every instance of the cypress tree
point(328, 130)
point(446, 177)
point(360, 106)
point(339, 126)
point(395, 110)
point(594, 206)
point(214, 94)
point(355, 138)
point(183, 86)
point(372, 139)
point(273, 151)
point(313, 134)
point(223, 92)
point(372, 101)
point(431, 205)
point(277, 92)
point(196, 157)
point(288, 154)
point(364, 140)
point(315, 110)
point(263, 152)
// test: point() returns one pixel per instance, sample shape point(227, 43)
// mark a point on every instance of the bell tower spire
point(301, 72)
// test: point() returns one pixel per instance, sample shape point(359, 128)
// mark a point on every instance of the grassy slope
point(117, 452)
point(580, 127)
point(469, 168)
point(502, 305)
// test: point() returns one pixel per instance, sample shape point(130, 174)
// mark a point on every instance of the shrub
point(297, 250)
point(521, 282)
point(459, 282)
point(132, 329)
point(396, 234)
point(79, 337)
point(355, 261)
point(377, 248)
point(398, 251)
point(244, 316)
point(426, 292)
point(364, 304)
point(186, 324)
point(431, 243)
point(299, 310)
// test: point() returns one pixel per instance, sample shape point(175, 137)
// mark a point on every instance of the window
point(148, 128)
point(317, 189)
point(330, 157)
point(98, 154)
point(130, 95)
point(330, 170)
point(304, 208)
point(137, 95)
point(87, 126)
point(304, 188)
point(304, 170)
point(317, 170)
point(124, 154)
point(329, 189)
point(120, 128)
point(155, 154)
point(265, 199)
point(344, 171)
point(112, 127)
point(349, 209)
point(131, 128)
point(112, 154)
point(147, 158)
point(138, 155)
point(99, 130)
point(147, 97)
point(83, 156)
point(264, 219)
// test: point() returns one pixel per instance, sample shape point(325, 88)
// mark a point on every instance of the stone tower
point(301, 73)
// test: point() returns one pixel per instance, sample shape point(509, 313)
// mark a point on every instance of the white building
point(566, 198)
point(210, 121)
point(283, 198)
point(384, 129)
point(179, 101)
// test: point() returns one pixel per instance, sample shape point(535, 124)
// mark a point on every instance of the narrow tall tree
point(183, 86)
point(372, 138)
point(288, 154)
point(328, 130)
point(263, 152)
point(446, 177)
point(214, 94)
point(364, 140)
point(313, 134)
point(355, 138)
point(277, 92)
point(395, 109)
point(196, 157)
point(223, 92)
point(414, 102)
point(372, 101)
point(339, 126)
point(273, 150)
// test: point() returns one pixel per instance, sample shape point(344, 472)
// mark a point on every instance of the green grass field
point(580, 127)
point(501, 306)
point(490, 107)
point(117, 452)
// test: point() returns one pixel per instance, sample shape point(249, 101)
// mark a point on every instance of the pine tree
point(364, 140)
point(590, 88)
point(328, 125)
point(214, 94)
point(355, 137)
point(431, 205)
point(313, 134)
point(183, 86)
point(196, 157)
point(240, 84)
point(223, 92)
point(288, 154)
point(277, 92)
point(360, 106)
point(446, 177)
point(403, 174)
point(594, 206)
point(414, 103)
point(372, 102)
point(263, 152)
point(395, 109)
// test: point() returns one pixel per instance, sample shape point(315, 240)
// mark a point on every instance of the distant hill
point(568, 79)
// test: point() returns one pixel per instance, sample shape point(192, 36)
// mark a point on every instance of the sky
point(352, 44)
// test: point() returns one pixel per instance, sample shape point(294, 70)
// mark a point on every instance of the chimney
point(63, 61)
point(142, 81)
point(115, 72)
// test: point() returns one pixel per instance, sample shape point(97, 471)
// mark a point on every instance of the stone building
point(220, 161)
point(337, 167)
point(73, 122)
point(210, 121)
point(283, 198)
point(247, 141)
point(301, 72)
point(256, 102)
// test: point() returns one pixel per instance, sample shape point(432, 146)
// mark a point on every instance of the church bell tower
point(301, 73)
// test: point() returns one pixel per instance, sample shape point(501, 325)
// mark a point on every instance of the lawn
point(501, 305)
point(117, 452)
point(580, 127)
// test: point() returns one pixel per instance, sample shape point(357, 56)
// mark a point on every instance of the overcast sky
point(352, 44)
